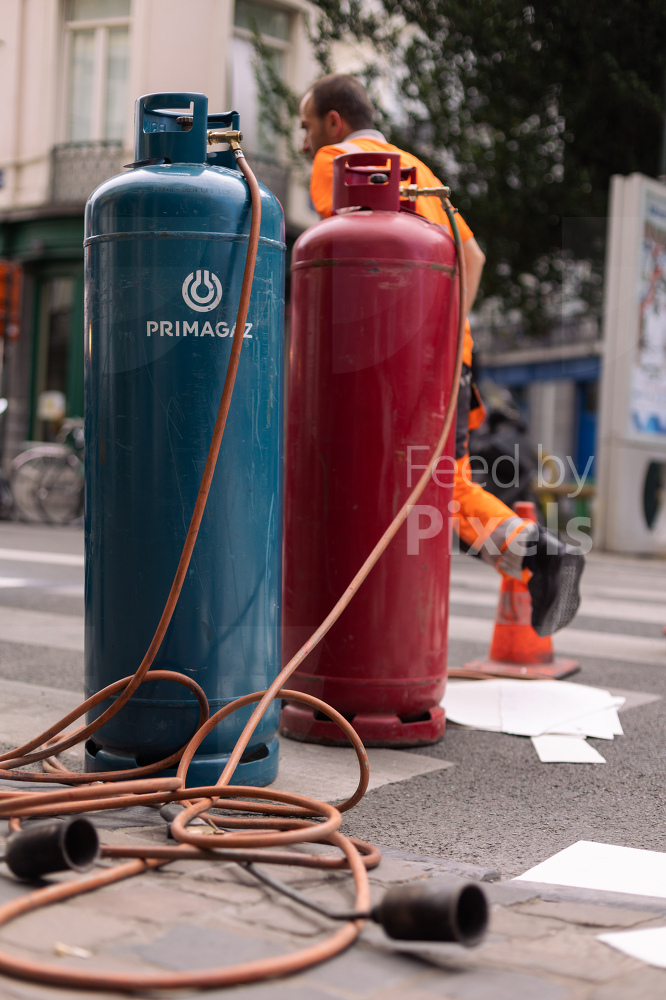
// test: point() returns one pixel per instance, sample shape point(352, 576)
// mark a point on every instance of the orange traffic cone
point(516, 650)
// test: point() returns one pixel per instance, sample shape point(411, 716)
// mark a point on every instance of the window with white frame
point(97, 61)
point(274, 24)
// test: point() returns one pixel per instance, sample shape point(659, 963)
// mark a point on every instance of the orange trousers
point(487, 526)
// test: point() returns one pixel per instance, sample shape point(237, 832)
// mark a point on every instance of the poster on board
point(630, 511)
point(647, 410)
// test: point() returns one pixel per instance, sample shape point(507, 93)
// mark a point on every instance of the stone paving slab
point(483, 984)
point(642, 984)
point(585, 914)
point(541, 945)
point(431, 865)
point(509, 892)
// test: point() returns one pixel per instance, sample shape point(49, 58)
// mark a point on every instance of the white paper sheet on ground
point(474, 703)
point(528, 708)
point(648, 945)
point(543, 705)
point(588, 865)
point(604, 725)
point(566, 750)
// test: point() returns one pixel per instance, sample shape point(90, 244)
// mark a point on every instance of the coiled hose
point(282, 819)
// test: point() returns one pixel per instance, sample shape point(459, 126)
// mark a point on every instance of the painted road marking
point(331, 773)
point(593, 607)
point(573, 641)
point(47, 558)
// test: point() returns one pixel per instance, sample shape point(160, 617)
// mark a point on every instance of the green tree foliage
point(527, 111)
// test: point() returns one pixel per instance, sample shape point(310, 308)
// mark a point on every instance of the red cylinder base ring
point(381, 729)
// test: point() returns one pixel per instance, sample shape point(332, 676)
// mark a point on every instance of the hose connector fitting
point(232, 136)
point(434, 911)
point(413, 191)
point(54, 846)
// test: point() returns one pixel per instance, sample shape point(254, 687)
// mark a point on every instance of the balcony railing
point(274, 175)
point(79, 167)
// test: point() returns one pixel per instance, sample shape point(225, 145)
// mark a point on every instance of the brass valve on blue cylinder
point(232, 136)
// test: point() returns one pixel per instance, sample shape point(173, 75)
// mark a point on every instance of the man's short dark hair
point(344, 94)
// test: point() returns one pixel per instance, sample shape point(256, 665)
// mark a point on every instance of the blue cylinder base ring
point(258, 771)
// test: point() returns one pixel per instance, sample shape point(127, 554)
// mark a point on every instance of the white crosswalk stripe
point(45, 558)
point(592, 607)
point(612, 591)
point(572, 642)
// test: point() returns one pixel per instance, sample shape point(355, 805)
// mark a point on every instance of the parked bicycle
point(47, 480)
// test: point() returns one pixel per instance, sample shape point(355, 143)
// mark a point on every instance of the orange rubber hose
point(286, 818)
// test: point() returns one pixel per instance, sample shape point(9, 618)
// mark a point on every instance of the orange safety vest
point(370, 141)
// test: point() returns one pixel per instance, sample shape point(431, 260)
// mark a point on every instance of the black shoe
point(556, 572)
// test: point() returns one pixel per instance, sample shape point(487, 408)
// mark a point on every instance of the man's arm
point(474, 261)
point(321, 181)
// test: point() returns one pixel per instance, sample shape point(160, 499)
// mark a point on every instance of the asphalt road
point(498, 806)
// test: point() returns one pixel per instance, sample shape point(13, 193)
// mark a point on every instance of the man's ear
point(334, 125)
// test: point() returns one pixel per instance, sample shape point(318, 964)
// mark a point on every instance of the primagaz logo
point(202, 293)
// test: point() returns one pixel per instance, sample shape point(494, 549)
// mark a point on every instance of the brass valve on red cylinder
point(413, 191)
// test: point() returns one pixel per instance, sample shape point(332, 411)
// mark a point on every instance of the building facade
point(71, 71)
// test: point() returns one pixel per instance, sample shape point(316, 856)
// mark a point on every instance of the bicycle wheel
point(47, 483)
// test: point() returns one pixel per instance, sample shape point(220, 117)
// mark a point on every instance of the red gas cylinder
point(373, 332)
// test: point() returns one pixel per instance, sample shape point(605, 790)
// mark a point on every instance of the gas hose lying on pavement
point(283, 819)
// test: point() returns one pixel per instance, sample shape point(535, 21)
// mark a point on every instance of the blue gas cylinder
point(165, 249)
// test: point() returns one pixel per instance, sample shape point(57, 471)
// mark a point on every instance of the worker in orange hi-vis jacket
point(337, 118)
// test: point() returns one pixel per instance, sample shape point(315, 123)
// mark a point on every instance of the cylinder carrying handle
point(160, 132)
point(353, 184)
